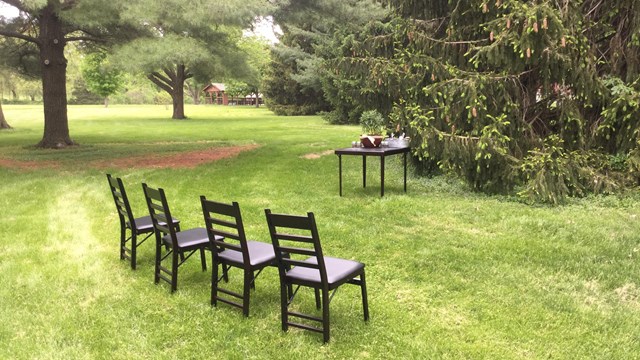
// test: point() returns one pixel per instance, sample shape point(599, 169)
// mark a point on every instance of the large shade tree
point(191, 40)
point(3, 122)
point(45, 27)
point(542, 96)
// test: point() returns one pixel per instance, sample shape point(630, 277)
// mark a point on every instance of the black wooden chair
point(232, 249)
point(136, 226)
point(307, 266)
point(168, 234)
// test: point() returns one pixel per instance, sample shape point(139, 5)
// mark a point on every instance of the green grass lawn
point(451, 274)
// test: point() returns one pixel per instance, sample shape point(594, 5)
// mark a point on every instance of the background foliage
point(538, 97)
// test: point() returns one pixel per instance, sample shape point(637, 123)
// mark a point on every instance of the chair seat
point(188, 238)
point(337, 270)
point(145, 224)
point(259, 253)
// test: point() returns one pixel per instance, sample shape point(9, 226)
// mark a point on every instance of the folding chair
point(307, 266)
point(232, 249)
point(137, 226)
point(177, 242)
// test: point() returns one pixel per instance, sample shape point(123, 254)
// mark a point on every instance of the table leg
point(381, 176)
point(364, 171)
point(405, 172)
point(340, 172)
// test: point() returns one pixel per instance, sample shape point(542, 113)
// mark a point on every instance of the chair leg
point(214, 281)
point(123, 241)
point(365, 303)
point(174, 269)
point(156, 278)
point(225, 273)
point(246, 296)
point(317, 291)
point(284, 304)
point(134, 246)
point(325, 315)
point(203, 260)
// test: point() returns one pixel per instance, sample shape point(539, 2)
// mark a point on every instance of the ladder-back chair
point(232, 249)
point(307, 266)
point(136, 226)
point(177, 242)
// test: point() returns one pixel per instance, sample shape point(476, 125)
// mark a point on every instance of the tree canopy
point(101, 79)
point(38, 37)
point(189, 40)
point(295, 80)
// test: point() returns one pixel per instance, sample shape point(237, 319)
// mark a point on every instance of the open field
point(451, 274)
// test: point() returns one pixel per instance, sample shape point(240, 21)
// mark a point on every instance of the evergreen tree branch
point(18, 35)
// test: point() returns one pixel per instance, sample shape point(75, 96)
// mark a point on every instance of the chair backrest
point(297, 236)
point(122, 202)
point(224, 220)
point(160, 213)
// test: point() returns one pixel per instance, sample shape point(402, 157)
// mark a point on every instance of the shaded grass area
point(451, 274)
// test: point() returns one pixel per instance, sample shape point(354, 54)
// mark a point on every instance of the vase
point(371, 141)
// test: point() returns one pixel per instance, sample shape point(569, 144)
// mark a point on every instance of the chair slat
point(157, 207)
point(163, 228)
point(225, 234)
point(301, 238)
point(294, 262)
point(120, 202)
point(223, 223)
point(161, 217)
point(227, 245)
point(154, 194)
point(221, 208)
point(291, 221)
point(297, 250)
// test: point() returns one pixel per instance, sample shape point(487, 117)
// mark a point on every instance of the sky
point(263, 26)
point(7, 10)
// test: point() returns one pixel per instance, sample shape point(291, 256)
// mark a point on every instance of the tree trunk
point(106, 101)
point(3, 122)
point(196, 97)
point(54, 89)
point(178, 93)
point(194, 92)
point(173, 83)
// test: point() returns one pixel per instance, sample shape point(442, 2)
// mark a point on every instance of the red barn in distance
point(215, 94)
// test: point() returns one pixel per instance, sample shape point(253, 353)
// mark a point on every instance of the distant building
point(215, 94)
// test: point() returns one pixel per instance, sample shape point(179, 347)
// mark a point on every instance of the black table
point(380, 152)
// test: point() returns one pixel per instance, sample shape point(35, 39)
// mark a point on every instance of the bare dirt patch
point(313, 156)
point(28, 165)
point(187, 159)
